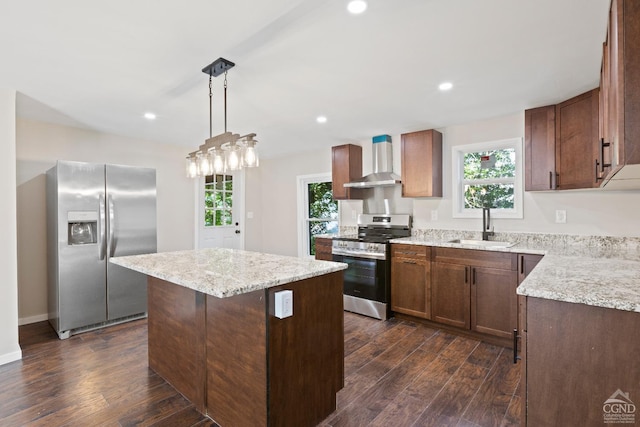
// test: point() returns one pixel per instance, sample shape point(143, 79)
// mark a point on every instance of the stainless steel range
point(367, 280)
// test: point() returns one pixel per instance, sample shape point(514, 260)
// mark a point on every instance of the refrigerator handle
point(111, 243)
point(102, 224)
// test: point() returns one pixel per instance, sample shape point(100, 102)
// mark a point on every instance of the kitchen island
point(214, 336)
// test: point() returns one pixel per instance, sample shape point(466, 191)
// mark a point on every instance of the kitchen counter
point(226, 272)
point(215, 335)
point(591, 270)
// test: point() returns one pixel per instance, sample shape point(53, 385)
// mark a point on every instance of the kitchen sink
point(483, 243)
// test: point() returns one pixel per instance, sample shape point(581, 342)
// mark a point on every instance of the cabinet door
point(577, 142)
point(450, 292)
point(346, 166)
point(494, 305)
point(323, 249)
point(410, 287)
point(540, 148)
point(422, 164)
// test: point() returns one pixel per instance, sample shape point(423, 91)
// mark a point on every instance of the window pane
point(498, 196)
point(208, 199)
point(228, 184)
point(498, 164)
point(321, 203)
point(208, 217)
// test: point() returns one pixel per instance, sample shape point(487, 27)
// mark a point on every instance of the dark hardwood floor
point(397, 373)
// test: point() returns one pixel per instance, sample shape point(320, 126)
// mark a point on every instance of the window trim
point(457, 157)
point(303, 203)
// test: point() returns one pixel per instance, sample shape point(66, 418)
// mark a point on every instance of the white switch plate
point(283, 304)
point(561, 216)
point(354, 214)
point(249, 215)
point(434, 215)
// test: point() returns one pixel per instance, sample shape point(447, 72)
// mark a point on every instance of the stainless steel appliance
point(367, 280)
point(95, 212)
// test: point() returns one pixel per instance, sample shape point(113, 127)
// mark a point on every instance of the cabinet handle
point(515, 346)
point(466, 275)
point(602, 147)
point(409, 262)
point(557, 180)
point(550, 180)
point(521, 264)
point(598, 178)
point(473, 275)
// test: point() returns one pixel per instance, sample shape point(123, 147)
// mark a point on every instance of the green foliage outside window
point(323, 212)
point(490, 186)
point(218, 200)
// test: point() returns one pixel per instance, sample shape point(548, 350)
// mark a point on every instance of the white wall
point(9, 348)
point(271, 196)
point(39, 146)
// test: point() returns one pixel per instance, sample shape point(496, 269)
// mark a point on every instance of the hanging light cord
point(225, 102)
point(210, 109)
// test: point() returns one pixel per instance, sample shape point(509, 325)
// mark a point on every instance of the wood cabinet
point(346, 166)
point(577, 164)
point(540, 148)
point(475, 289)
point(411, 280)
point(526, 263)
point(323, 248)
point(421, 164)
point(562, 144)
point(620, 84)
point(577, 357)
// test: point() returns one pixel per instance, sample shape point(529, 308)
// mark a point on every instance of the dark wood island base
point(242, 366)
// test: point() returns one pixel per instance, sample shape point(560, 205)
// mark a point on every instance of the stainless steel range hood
point(382, 166)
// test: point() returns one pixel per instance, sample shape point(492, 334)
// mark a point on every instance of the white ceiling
point(102, 65)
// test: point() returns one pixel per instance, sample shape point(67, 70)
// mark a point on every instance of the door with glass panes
point(221, 211)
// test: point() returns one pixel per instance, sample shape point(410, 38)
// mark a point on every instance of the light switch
point(283, 304)
point(561, 216)
point(434, 215)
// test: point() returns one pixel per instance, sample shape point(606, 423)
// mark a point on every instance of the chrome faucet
point(487, 228)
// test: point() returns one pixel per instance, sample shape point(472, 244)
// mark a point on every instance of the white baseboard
point(33, 319)
point(11, 357)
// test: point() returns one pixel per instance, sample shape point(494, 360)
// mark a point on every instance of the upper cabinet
point(422, 164)
point(346, 166)
point(561, 144)
point(620, 85)
point(577, 142)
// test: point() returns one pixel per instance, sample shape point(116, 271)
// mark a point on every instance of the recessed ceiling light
point(357, 6)
point(321, 119)
point(445, 86)
point(149, 116)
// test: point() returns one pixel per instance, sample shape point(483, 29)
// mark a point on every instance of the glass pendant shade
point(192, 167)
point(218, 161)
point(250, 157)
point(234, 158)
point(204, 164)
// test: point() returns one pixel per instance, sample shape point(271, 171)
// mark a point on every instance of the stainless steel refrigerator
point(95, 212)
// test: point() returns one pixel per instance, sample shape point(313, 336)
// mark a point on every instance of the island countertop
point(222, 273)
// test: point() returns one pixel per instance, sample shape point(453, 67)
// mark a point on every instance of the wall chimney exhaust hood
point(382, 166)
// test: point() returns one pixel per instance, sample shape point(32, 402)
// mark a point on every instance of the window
point(317, 211)
point(488, 175)
point(218, 200)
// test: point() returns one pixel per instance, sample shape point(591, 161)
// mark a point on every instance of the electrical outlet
point(434, 215)
point(561, 216)
point(283, 304)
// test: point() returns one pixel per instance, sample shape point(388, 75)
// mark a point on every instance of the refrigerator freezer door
point(81, 277)
point(131, 217)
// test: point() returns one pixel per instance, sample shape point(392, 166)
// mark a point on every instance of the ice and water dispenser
point(82, 227)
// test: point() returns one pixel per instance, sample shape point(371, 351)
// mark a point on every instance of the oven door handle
point(366, 255)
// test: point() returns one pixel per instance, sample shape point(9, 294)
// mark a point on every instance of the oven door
point(365, 278)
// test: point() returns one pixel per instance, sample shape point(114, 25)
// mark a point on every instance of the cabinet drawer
point(410, 251)
point(477, 257)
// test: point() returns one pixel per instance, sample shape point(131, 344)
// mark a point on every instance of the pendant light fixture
point(225, 152)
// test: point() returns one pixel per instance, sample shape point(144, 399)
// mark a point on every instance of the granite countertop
point(226, 272)
point(597, 271)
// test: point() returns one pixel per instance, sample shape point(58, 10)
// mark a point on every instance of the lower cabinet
point(581, 366)
point(476, 290)
point(411, 280)
point(323, 248)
